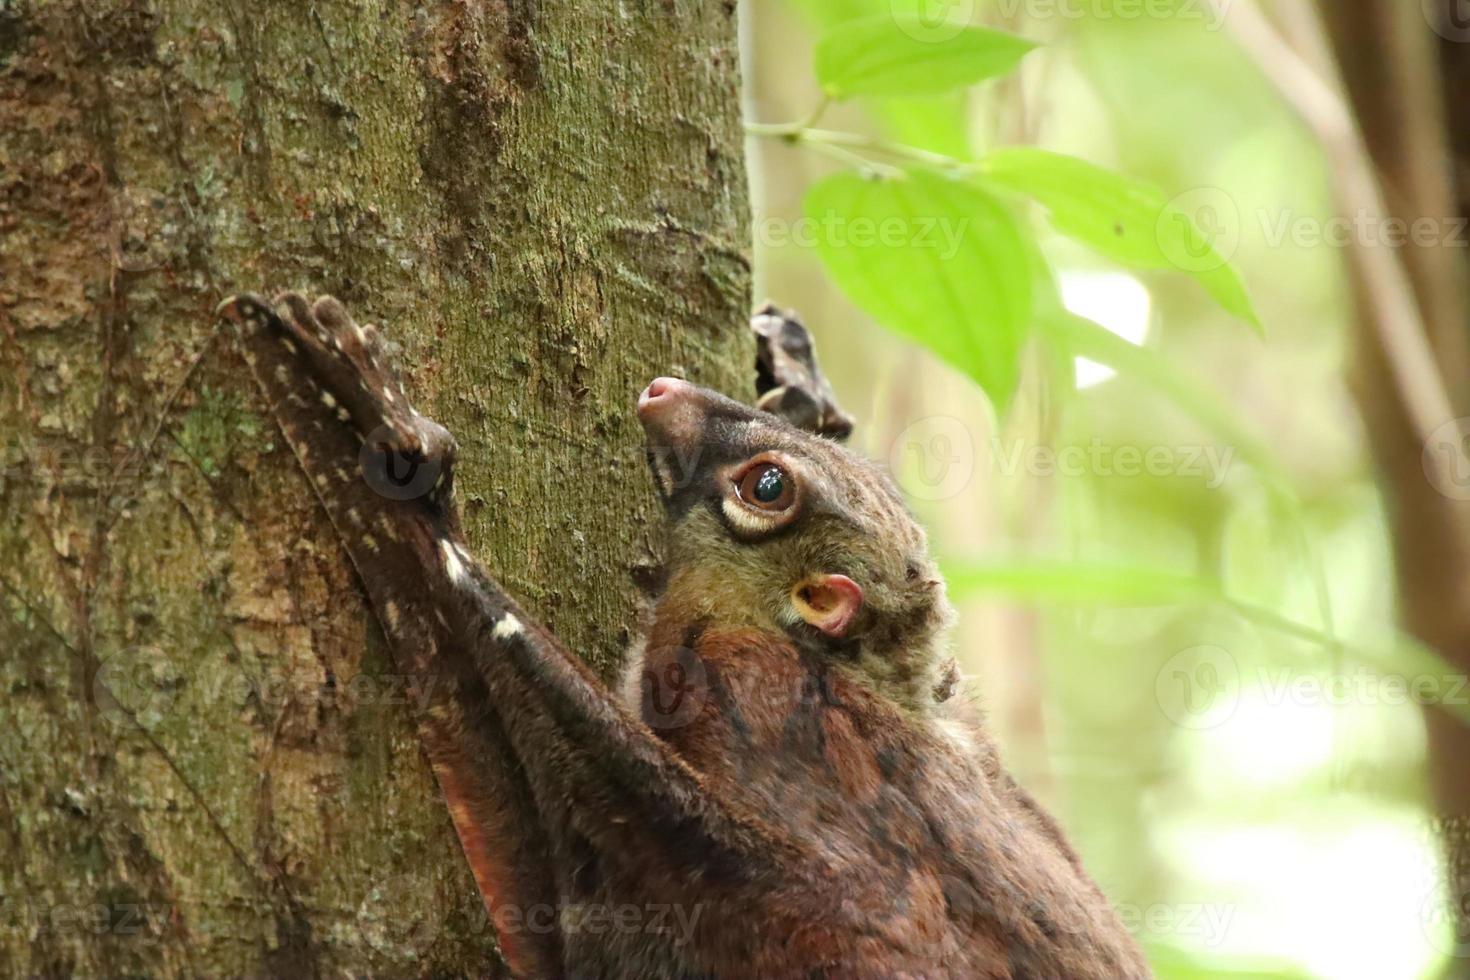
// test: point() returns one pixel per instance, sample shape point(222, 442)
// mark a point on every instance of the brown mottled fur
point(797, 795)
point(925, 858)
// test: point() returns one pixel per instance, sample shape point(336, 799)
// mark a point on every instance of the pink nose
point(662, 396)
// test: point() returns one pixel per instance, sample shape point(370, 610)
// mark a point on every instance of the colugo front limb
point(384, 476)
point(523, 738)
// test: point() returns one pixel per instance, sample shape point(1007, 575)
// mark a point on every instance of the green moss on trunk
point(206, 766)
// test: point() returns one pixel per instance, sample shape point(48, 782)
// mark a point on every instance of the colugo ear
point(828, 602)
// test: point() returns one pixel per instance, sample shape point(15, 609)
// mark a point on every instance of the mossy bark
point(206, 765)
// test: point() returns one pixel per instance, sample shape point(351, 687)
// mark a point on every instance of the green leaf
point(1127, 220)
point(909, 55)
point(938, 260)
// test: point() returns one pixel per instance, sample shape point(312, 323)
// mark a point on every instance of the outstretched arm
point(534, 755)
point(324, 378)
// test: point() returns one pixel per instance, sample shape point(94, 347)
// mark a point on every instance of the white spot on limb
point(392, 614)
point(452, 563)
point(506, 628)
point(321, 480)
point(328, 400)
point(370, 542)
point(289, 344)
point(344, 415)
point(388, 395)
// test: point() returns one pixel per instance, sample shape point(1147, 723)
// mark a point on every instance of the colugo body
point(782, 767)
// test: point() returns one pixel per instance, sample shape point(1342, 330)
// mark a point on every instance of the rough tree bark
point(206, 766)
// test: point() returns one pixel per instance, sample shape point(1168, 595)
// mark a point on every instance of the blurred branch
point(1318, 101)
point(1388, 146)
point(1071, 581)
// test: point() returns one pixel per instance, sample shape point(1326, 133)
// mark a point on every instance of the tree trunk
point(206, 765)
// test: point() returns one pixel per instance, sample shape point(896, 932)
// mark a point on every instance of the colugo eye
point(767, 486)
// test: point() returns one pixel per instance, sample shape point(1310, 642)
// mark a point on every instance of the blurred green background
point(1143, 597)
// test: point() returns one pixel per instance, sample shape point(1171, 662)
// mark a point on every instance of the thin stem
point(792, 130)
point(815, 116)
point(1394, 307)
point(876, 145)
point(829, 140)
point(857, 160)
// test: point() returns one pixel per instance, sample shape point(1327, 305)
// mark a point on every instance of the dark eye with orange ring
point(767, 486)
